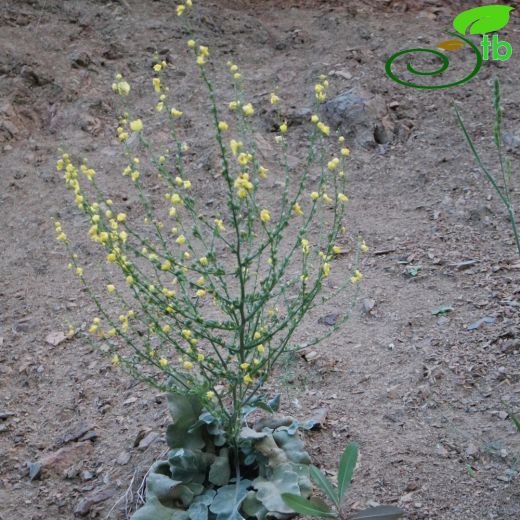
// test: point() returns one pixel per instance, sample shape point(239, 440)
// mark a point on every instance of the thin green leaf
point(347, 465)
point(313, 507)
point(489, 176)
point(325, 485)
point(516, 421)
point(379, 513)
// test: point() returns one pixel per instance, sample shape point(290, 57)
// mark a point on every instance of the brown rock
point(61, 460)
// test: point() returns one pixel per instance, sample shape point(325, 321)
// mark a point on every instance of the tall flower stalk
point(207, 305)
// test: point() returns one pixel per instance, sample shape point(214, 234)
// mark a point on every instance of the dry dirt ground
point(422, 394)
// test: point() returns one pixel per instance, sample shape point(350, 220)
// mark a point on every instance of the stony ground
point(426, 396)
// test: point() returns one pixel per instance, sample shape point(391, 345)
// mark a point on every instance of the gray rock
point(35, 470)
point(148, 440)
point(123, 458)
point(360, 117)
point(86, 504)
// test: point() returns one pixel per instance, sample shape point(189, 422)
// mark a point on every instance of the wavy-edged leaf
point(379, 513)
point(482, 20)
point(347, 465)
point(313, 507)
point(325, 485)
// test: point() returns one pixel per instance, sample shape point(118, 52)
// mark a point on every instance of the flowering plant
point(204, 306)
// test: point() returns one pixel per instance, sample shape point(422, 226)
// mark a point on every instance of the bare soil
point(422, 394)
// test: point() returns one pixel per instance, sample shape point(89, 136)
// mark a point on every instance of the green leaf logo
point(482, 20)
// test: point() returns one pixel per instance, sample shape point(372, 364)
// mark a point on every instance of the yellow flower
point(186, 333)
point(326, 269)
point(257, 335)
point(123, 88)
point(135, 175)
point(210, 394)
point(175, 113)
point(357, 276)
point(248, 109)
point(283, 127)
point(223, 126)
point(136, 125)
point(274, 98)
point(262, 172)
point(157, 67)
point(115, 359)
point(235, 146)
point(315, 195)
point(326, 198)
point(110, 288)
point(121, 217)
point(305, 245)
point(176, 199)
point(201, 293)
point(163, 362)
point(181, 240)
point(314, 118)
point(156, 82)
point(79, 271)
point(248, 379)
point(166, 328)
point(345, 152)
point(111, 257)
point(323, 128)
point(237, 76)
point(297, 209)
point(244, 366)
point(333, 164)
point(180, 9)
point(364, 247)
point(191, 44)
point(336, 250)
point(130, 280)
point(188, 365)
point(260, 348)
point(233, 105)
point(342, 197)
point(203, 261)
point(166, 265)
point(159, 107)
point(200, 358)
point(201, 60)
point(265, 216)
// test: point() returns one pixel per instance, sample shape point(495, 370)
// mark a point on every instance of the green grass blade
point(325, 485)
point(490, 177)
point(313, 507)
point(516, 421)
point(347, 465)
point(379, 513)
